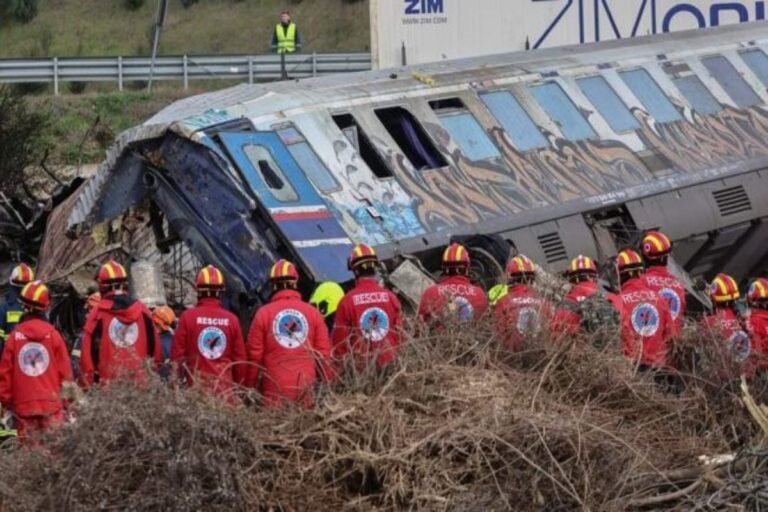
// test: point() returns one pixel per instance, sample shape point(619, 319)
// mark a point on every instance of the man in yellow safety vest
point(286, 38)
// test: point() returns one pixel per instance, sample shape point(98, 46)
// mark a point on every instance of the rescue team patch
point(645, 319)
point(673, 299)
point(34, 359)
point(528, 321)
point(290, 328)
point(464, 309)
point(374, 324)
point(740, 345)
point(212, 342)
point(123, 335)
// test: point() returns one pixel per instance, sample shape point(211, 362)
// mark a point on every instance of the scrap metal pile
point(457, 424)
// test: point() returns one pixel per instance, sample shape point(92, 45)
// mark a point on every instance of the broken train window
point(411, 138)
point(363, 145)
point(270, 172)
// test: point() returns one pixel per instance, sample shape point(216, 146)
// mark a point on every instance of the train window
point(308, 160)
point(731, 80)
point(363, 145)
point(645, 88)
point(697, 95)
point(562, 111)
point(758, 63)
point(608, 103)
point(469, 135)
point(517, 124)
point(410, 138)
point(271, 174)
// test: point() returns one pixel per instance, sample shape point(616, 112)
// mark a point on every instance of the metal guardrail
point(254, 68)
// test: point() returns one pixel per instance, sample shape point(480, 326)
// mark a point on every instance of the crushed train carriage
point(558, 152)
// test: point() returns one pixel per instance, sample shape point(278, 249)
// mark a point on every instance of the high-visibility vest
point(286, 38)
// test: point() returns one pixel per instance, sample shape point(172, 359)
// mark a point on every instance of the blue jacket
point(10, 313)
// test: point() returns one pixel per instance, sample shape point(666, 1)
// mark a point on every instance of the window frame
point(356, 149)
point(695, 76)
point(419, 126)
point(456, 112)
point(755, 50)
point(500, 124)
point(577, 82)
point(285, 126)
point(540, 84)
point(642, 103)
point(276, 168)
point(739, 76)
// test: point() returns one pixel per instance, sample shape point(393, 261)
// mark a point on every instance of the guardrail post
point(250, 69)
point(186, 74)
point(314, 64)
point(55, 76)
point(120, 73)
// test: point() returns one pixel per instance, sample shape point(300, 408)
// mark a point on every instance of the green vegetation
point(106, 27)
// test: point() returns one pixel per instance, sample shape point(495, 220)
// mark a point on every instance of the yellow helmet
point(326, 297)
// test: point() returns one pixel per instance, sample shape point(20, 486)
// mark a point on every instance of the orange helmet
point(724, 288)
point(283, 270)
point(21, 275)
point(93, 301)
point(628, 260)
point(455, 255)
point(758, 290)
point(362, 256)
point(655, 245)
point(582, 265)
point(35, 295)
point(111, 273)
point(209, 278)
point(163, 317)
point(520, 265)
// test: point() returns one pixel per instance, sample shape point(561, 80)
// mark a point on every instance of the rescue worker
point(288, 346)
point(646, 323)
point(35, 366)
point(369, 318)
point(724, 323)
point(581, 308)
point(12, 310)
point(757, 322)
point(119, 336)
point(454, 297)
point(286, 37)
point(91, 303)
point(164, 319)
point(521, 312)
point(326, 299)
point(656, 248)
point(208, 345)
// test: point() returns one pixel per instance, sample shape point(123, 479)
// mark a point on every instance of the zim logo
point(672, 299)
point(33, 359)
point(212, 342)
point(290, 328)
point(423, 6)
point(374, 323)
point(645, 319)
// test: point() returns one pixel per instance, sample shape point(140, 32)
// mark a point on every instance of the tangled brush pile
point(456, 425)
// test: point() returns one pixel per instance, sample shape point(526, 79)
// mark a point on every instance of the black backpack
point(599, 319)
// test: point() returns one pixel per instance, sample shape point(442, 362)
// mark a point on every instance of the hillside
point(106, 27)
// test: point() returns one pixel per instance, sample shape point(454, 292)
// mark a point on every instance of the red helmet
point(520, 265)
point(758, 290)
point(209, 278)
point(724, 288)
point(283, 270)
point(362, 256)
point(21, 275)
point(111, 273)
point(628, 260)
point(35, 295)
point(655, 245)
point(582, 265)
point(455, 255)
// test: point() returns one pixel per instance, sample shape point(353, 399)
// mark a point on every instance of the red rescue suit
point(118, 337)
point(724, 325)
point(34, 366)
point(757, 325)
point(287, 342)
point(453, 297)
point(646, 325)
point(669, 288)
point(368, 322)
point(208, 343)
point(520, 313)
point(568, 321)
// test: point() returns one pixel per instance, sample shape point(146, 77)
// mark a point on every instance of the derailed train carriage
point(553, 152)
